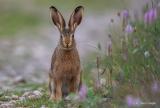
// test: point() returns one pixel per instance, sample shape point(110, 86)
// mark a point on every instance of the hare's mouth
point(67, 48)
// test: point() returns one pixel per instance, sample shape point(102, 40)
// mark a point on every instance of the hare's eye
point(72, 34)
point(62, 35)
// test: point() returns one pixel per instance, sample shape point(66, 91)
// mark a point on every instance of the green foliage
point(142, 62)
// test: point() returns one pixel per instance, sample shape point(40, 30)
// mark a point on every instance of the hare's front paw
point(55, 98)
point(52, 97)
point(58, 98)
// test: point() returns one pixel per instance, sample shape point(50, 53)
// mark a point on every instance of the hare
point(65, 72)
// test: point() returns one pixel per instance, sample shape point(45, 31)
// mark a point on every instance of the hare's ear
point(76, 18)
point(57, 18)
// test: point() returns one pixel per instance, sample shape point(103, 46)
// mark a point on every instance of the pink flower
point(83, 92)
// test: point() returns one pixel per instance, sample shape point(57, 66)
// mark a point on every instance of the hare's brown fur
point(65, 68)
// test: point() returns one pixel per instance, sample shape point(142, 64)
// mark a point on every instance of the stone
point(37, 93)
point(7, 105)
point(15, 97)
point(22, 98)
point(19, 79)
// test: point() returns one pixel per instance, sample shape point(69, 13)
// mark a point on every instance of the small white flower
point(103, 81)
point(43, 106)
point(146, 54)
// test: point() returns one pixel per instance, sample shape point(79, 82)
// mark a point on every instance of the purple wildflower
point(129, 29)
point(132, 102)
point(150, 16)
point(83, 92)
point(129, 100)
point(125, 14)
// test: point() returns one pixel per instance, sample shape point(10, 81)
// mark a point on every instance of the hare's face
point(67, 35)
point(67, 38)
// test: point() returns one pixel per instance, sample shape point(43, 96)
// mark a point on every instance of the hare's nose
point(68, 44)
point(67, 41)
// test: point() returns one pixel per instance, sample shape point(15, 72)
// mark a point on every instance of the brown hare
point(65, 71)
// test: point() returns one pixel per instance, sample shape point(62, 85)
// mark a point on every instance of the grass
point(37, 103)
point(90, 102)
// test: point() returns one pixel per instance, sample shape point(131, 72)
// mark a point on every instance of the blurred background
point(28, 36)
